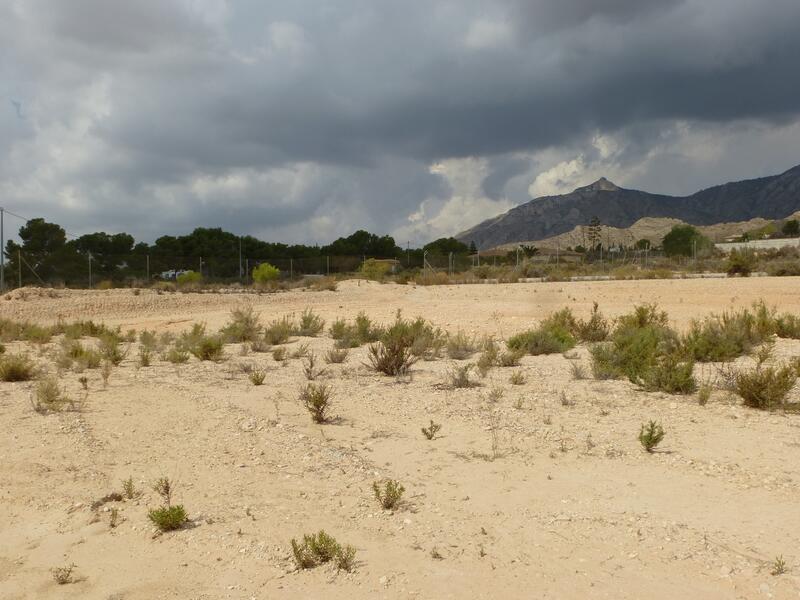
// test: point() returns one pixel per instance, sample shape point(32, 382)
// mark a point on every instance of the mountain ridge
point(771, 197)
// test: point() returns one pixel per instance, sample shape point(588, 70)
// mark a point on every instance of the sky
point(300, 122)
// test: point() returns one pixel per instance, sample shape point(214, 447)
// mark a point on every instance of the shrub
point(176, 356)
point(47, 396)
point(509, 359)
point(148, 340)
point(336, 355)
point(391, 357)
point(16, 367)
point(596, 329)
point(631, 352)
point(544, 340)
point(189, 278)
point(671, 374)
point(389, 495)
point(279, 354)
point(310, 368)
point(63, 575)
point(243, 326)
point(209, 347)
point(740, 262)
point(458, 376)
point(129, 489)
point(362, 331)
point(110, 348)
point(265, 273)
point(257, 376)
point(724, 337)
point(460, 346)
point(279, 331)
point(787, 326)
point(431, 431)
point(321, 548)
point(578, 372)
point(765, 388)
point(168, 518)
point(650, 435)
point(310, 324)
point(517, 378)
point(374, 269)
point(317, 400)
point(145, 356)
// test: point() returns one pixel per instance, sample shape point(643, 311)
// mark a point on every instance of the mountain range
point(774, 197)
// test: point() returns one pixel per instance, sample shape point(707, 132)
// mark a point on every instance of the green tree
point(473, 249)
point(791, 228)
point(684, 240)
point(446, 246)
point(642, 244)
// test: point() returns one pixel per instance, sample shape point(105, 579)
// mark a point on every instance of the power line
point(8, 212)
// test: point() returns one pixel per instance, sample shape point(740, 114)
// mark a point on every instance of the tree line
point(44, 253)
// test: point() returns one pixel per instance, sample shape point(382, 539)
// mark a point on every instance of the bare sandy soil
point(569, 506)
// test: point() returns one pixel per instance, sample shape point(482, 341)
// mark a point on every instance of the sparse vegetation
point(310, 368)
point(317, 400)
point(63, 575)
point(48, 397)
point(320, 548)
point(16, 367)
point(650, 435)
point(389, 494)
point(460, 346)
point(279, 332)
point(458, 376)
point(336, 355)
point(764, 387)
point(168, 518)
point(311, 324)
point(243, 326)
point(553, 336)
point(431, 430)
point(257, 376)
point(517, 378)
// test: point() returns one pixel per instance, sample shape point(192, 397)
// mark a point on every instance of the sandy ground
point(570, 506)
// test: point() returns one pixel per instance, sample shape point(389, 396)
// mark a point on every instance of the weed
point(577, 371)
point(311, 325)
point(671, 374)
point(164, 488)
point(300, 351)
point(509, 359)
point(63, 575)
point(495, 395)
point(389, 495)
point(279, 332)
point(310, 368)
point(168, 518)
point(517, 378)
point(129, 489)
point(209, 348)
point(460, 346)
point(458, 376)
point(551, 337)
point(259, 346)
point(243, 326)
point(279, 354)
point(488, 358)
point(765, 388)
point(651, 435)
point(336, 355)
point(110, 348)
point(431, 431)
point(778, 566)
point(257, 376)
point(391, 357)
point(148, 340)
point(16, 367)
point(176, 356)
point(565, 400)
point(84, 381)
point(105, 373)
point(145, 356)
point(113, 518)
point(596, 329)
point(317, 400)
point(704, 393)
point(321, 548)
point(47, 396)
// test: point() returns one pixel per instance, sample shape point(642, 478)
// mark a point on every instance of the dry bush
point(48, 397)
point(596, 329)
point(431, 431)
point(458, 376)
point(279, 354)
point(460, 346)
point(145, 356)
point(210, 348)
point(391, 356)
point(517, 378)
point(766, 388)
point(17, 367)
point(317, 400)
point(279, 331)
point(321, 548)
point(257, 376)
point(553, 336)
point(63, 575)
point(719, 338)
point(176, 356)
point(389, 494)
point(311, 324)
point(110, 348)
point(243, 326)
point(362, 331)
point(336, 355)
point(310, 368)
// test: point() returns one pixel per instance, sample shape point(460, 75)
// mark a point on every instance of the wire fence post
point(247, 270)
point(2, 251)
point(291, 269)
point(19, 267)
point(327, 265)
point(90, 270)
point(148, 268)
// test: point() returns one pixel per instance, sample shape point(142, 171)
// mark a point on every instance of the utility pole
point(291, 269)
point(19, 267)
point(240, 259)
point(90, 270)
point(148, 269)
point(328, 265)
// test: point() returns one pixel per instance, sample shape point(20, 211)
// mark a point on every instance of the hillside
point(773, 197)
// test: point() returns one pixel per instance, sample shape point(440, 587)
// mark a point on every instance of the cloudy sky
point(300, 121)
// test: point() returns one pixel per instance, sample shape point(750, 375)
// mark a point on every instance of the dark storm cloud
point(145, 103)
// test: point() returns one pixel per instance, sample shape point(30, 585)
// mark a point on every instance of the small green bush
point(279, 331)
point(168, 518)
point(460, 346)
point(553, 339)
point(47, 396)
point(671, 374)
point(740, 262)
point(243, 326)
point(110, 348)
point(389, 495)
point(176, 356)
point(374, 269)
point(189, 278)
point(431, 431)
point(265, 273)
point(209, 347)
point(650, 435)
point(317, 400)
point(321, 548)
point(336, 355)
point(311, 325)
point(596, 329)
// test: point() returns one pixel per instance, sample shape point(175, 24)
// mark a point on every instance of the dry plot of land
point(569, 508)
